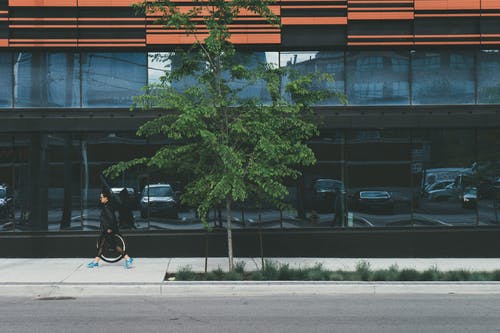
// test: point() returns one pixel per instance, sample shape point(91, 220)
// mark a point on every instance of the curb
point(243, 288)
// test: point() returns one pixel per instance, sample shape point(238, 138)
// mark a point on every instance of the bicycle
point(109, 254)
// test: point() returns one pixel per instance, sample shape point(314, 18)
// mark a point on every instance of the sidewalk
point(71, 277)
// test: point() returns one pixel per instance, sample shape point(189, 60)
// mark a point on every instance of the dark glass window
point(488, 67)
point(112, 79)
point(379, 77)
point(45, 79)
point(5, 79)
point(443, 77)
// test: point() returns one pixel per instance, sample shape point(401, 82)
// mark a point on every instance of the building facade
point(417, 145)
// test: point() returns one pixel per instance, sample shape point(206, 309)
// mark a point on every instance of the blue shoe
point(93, 264)
point(128, 262)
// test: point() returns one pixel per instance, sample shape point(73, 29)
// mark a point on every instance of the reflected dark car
point(159, 200)
point(325, 191)
point(469, 197)
point(373, 201)
point(6, 203)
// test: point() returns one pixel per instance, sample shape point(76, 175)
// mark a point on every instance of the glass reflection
point(379, 182)
point(257, 89)
point(487, 176)
point(318, 62)
point(443, 77)
point(5, 79)
point(321, 192)
point(377, 77)
point(112, 79)
point(447, 189)
point(44, 79)
point(488, 67)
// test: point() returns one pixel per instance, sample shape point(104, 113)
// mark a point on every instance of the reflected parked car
point(436, 186)
point(159, 200)
point(373, 201)
point(469, 197)
point(443, 194)
point(6, 203)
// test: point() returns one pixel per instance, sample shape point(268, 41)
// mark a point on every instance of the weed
point(364, 271)
point(185, 273)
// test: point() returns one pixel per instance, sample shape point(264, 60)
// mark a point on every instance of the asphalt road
point(283, 313)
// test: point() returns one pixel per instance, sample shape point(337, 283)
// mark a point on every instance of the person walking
point(109, 227)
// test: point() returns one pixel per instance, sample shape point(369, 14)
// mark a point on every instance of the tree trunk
point(229, 234)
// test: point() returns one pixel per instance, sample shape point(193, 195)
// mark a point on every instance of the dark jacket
point(108, 219)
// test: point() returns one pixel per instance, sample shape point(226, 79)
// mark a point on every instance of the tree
point(231, 146)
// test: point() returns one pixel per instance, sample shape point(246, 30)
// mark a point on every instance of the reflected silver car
point(443, 194)
point(159, 200)
point(437, 186)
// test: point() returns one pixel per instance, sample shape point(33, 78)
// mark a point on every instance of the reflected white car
point(443, 194)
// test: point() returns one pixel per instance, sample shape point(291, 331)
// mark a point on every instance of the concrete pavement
point(71, 277)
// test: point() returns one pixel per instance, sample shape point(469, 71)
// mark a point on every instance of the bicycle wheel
point(109, 253)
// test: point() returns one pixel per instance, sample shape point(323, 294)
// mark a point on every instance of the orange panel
point(235, 38)
point(448, 36)
point(42, 45)
point(111, 45)
point(48, 40)
point(371, 2)
point(100, 40)
point(378, 43)
point(106, 3)
point(314, 20)
point(4, 42)
point(110, 19)
point(490, 4)
point(448, 15)
point(113, 26)
point(43, 19)
point(44, 26)
point(447, 4)
point(378, 9)
point(42, 3)
point(380, 16)
point(171, 38)
point(447, 43)
point(464, 4)
point(431, 4)
point(377, 36)
point(256, 39)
